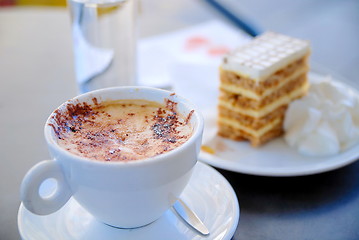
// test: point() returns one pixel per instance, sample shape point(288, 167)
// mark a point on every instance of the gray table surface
point(36, 74)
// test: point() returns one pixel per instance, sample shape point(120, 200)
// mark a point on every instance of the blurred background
point(330, 25)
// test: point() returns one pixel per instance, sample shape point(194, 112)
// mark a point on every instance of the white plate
point(208, 194)
point(275, 158)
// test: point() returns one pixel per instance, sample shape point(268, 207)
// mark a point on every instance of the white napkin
point(161, 57)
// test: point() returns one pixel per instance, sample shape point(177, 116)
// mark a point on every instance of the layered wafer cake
point(257, 82)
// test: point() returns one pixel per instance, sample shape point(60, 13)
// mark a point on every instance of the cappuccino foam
point(121, 130)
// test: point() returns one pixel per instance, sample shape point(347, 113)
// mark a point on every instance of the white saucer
point(275, 158)
point(208, 193)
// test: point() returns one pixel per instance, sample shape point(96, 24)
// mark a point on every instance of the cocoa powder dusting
point(120, 130)
point(171, 105)
point(189, 116)
point(72, 120)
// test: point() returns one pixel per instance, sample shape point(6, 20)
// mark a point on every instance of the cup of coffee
point(125, 154)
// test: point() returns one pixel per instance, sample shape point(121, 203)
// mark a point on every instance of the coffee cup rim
point(197, 129)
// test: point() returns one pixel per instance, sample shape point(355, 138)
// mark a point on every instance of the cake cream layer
point(235, 83)
point(245, 102)
point(265, 55)
point(238, 134)
point(258, 113)
point(255, 133)
point(250, 122)
point(234, 88)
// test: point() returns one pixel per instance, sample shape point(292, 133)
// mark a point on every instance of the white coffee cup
point(122, 194)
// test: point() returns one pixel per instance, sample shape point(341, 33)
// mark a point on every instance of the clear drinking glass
point(104, 41)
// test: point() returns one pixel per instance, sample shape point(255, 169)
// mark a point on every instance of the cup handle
point(30, 187)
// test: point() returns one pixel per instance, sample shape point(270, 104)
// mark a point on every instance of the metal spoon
point(190, 218)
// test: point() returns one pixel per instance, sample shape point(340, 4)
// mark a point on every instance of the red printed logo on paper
point(200, 43)
point(196, 42)
point(218, 50)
